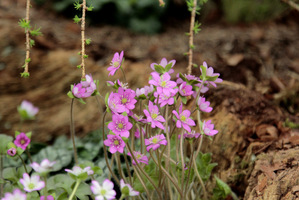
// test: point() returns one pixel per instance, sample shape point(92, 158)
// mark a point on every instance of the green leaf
point(211, 78)
point(88, 41)
point(81, 100)
point(25, 74)
point(77, 19)
point(60, 181)
point(31, 42)
point(70, 94)
point(159, 69)
point(10, 173)
point(184, 99)
point(36, 32)
point(204, 166)
point(77, 5)
point(4, 140)
point(222, 190)
point(183, 77)
point(168, 67)
point(24, 24)
point(203, 71)
point(83, 191)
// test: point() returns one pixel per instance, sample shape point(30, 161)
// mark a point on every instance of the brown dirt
point(256, 155)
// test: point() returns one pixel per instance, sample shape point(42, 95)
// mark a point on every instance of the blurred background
point(253, 44)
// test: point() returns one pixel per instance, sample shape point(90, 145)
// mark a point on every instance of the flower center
point(31, 186)
point(124, 100)
point(103, 192)
point(163, 83)
point(116, 142)
point(120, 125)
point(23, 141)
point(183, 118)
point(138, 156)
point(154, 115)
point(115, 64)
point(155, 140)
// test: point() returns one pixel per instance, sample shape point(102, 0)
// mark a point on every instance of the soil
point(256, 154)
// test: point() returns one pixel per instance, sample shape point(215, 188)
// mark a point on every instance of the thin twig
point(83, 38)
point(292, 4)
point(26, 70)
point(73, 133)
point(191, 33)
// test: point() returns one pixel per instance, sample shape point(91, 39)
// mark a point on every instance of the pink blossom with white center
point(185, 90)
point(164, 99)
point(22, 141)
point(210, 73)
point(203, 105)
point(115, 143)
point(104, 191)
point(191, 134)
point(44, 167)
point(32, 183)
point(144, 91)
point(114, 103)
point(140, 158)
point(130, 191)
point(17, 194)
point(77, 171)
point(12, 151)
point(208, 128)
point(183, 119)
point(163, 83)
point(85, 88)
point(120, 125)
point(153, 116)
point(163, 63)
point(115, 63)
point(155, 142)
point(27, 110)
point(127, 98)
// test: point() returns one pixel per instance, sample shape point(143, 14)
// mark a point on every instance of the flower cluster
point(85, 88)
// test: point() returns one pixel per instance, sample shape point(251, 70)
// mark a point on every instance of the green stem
point(142, 183)
point(120, 171)
point(128, 168)
point(73, 133)
point(23, 164)
point(200, 181)
point(45, 188)
point(29, 155)
point(189, 167)
point(182, 161)
point(75, 189)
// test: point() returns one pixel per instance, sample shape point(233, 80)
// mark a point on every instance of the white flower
point(127, 190)
point(16, 195)
point(104, 192)
point(78, 171)
point(44, 167)
point(32, 183)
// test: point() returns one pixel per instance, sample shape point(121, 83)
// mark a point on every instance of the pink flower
point(164, 99)
point(114, 103)
point(144, 91)
point(16, 195)
point(115, 143)
point(183, 119)
point(203, 105)
point(139, 157)
point(22, 141)
point(153, 116)
point(208, 128)
point(155, 142)
point(163, 63)
point(104, 191)
point(32, 183)
point(127, 98)
point(210, 73)
point(27, 110)
point(85, 88)
point(48, 198)
point(77, 171)
point(163, 83)
point(115, 63)
point(191, 134)
point(12, 151)
point(185, 90)
point(120, 125)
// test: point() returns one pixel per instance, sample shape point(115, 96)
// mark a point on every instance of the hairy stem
point(200, 181)
point(1, 176)
point(26, 70)
point(73, 133)
point(83, 38)
point(23, 162)
point(191, 33)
